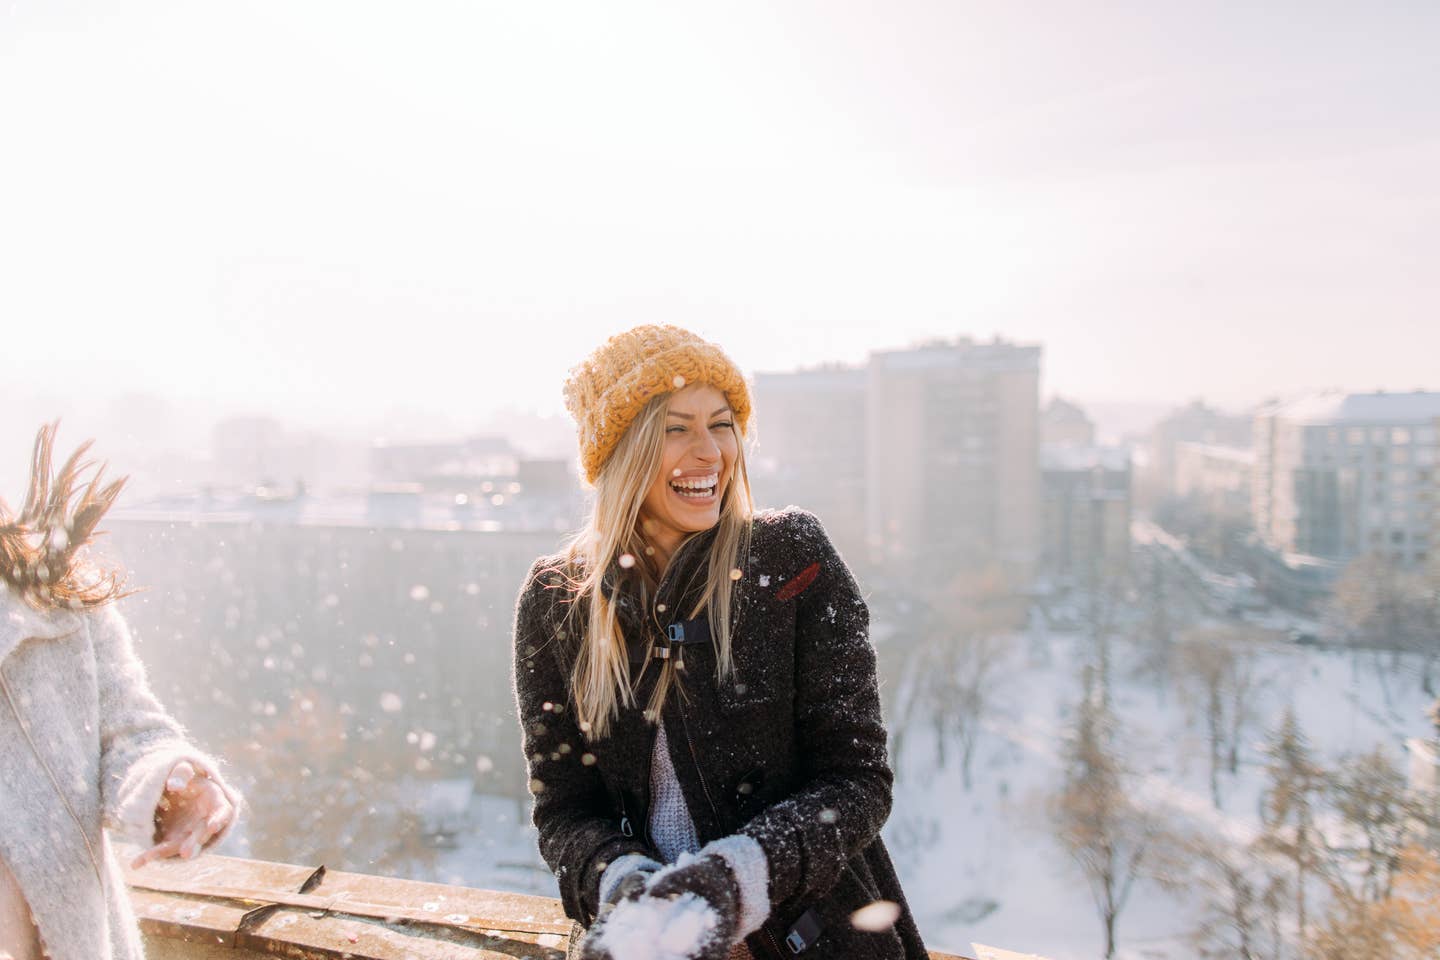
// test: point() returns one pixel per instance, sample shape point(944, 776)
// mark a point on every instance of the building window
point(1397, 536)
point(1400, 454)
point(1355, 436)
point(1400, 435)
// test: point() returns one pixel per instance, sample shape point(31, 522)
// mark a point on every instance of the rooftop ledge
point(226, 908)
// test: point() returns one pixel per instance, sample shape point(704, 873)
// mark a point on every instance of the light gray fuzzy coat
point(85, 749)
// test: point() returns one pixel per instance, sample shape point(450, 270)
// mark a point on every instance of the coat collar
point(679, 591)
point(680, 576)
point(20, 622)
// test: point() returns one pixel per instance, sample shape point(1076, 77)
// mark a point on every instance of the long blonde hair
point(600, 681)
point(40, 547)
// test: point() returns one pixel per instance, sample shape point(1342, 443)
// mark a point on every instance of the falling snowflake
point(876, 917)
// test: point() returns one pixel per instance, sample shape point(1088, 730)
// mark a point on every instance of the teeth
point(697, 488)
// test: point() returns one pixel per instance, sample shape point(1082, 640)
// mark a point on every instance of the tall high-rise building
point(810, 448)
point(952, 475)
point(1339, 475)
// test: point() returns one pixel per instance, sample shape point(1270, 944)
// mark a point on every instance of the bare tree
point(1380, 607)
point(1217, 674)
point(1403, 925)
point(1156, 634)
point(967, 632)
point(1370, 794)
point(1288, 812)
point(1095, 816)
point(1242, 904)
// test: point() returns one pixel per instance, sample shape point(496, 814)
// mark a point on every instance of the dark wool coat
point(790, 750)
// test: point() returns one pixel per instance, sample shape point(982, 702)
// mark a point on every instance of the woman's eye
point(674, 429)
point(726, 424)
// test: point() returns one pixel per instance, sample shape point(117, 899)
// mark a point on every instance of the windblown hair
point(42, 555)
point(601, 681)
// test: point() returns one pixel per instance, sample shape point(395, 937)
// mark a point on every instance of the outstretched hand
point(191, 812)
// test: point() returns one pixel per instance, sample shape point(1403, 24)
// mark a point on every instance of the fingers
point(180, 776)
point(217, 821)
point(166, 848)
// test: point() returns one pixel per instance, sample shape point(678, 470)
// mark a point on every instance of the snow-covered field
point(983, 866)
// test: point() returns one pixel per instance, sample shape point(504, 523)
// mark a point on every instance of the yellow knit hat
point(607, 390)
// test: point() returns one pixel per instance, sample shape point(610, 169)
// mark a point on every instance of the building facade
point(952, 476)
point(1341, 475)
point(1087, 510)
point(811, 448)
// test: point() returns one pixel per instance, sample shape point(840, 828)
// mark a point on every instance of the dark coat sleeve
point(844, 792)
point(579, 831)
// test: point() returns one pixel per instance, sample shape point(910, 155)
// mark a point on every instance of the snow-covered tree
point(1095, 816)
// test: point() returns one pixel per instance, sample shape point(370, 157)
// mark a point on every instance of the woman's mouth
point(696, 488)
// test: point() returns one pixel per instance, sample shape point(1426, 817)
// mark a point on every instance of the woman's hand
point(192, 810)
point(688, 911)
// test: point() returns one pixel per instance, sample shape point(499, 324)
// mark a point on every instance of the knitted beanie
point(607, 390)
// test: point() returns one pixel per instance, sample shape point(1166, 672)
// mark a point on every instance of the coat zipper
point(694, 756)
point(650, 755)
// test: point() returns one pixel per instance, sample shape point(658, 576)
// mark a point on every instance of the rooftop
point(1416, 407)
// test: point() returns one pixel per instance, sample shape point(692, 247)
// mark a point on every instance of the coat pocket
point(839, 936)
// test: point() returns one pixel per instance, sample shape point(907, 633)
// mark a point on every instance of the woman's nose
point(707, 448)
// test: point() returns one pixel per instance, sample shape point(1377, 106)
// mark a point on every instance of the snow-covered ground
point(983, 865)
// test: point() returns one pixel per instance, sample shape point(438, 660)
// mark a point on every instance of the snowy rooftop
point(1417, 407)
point(254, 908)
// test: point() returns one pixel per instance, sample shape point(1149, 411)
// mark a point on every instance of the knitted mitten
point(625, 879)
point(688, 911)
point(709, 879)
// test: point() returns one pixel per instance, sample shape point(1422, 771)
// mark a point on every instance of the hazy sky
point(329, 210)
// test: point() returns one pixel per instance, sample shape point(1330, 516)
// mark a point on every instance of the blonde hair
point(600, 682)
point(40, 548)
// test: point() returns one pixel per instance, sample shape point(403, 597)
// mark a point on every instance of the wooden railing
point(225, 907)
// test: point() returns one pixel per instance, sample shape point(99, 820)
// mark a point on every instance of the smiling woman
point(696, 686)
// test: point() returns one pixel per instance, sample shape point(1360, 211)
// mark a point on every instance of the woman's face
point(695, 465)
